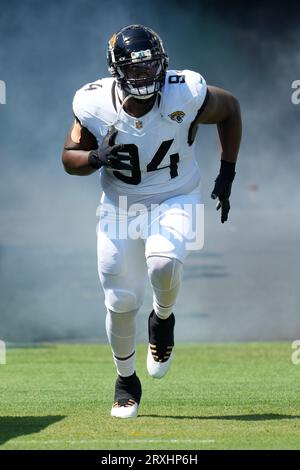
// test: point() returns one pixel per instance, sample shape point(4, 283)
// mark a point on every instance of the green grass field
point(230, 396)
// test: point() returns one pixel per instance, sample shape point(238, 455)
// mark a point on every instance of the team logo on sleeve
point(177, 116)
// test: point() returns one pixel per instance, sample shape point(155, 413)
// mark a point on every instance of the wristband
point(94, 161)
point(227, 170)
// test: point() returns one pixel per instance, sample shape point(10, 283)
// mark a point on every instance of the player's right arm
point(78, 144)
point(82, 156)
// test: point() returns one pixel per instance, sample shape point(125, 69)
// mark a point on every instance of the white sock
point(121, 332)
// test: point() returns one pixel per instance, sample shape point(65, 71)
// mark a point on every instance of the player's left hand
point(222, 188)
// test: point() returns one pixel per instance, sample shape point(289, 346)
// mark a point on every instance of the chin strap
point(161, 102)
point(121, 107)
point(141, 97)
point(126, 99)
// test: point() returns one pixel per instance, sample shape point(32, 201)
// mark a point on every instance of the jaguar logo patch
point(177, 116)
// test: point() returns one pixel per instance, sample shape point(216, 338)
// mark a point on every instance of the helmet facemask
point(141, 79)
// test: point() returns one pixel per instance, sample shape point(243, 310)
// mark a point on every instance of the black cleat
point(128, 392)
point(161, 344)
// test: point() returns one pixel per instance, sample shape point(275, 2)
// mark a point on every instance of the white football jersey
point(157, 142)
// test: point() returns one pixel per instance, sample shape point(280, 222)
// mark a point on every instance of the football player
point(138, 129)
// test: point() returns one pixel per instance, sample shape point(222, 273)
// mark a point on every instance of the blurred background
point(245, 283)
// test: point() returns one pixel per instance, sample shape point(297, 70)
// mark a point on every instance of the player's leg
point(122, 273)
point(165, 277)
point(167, 244)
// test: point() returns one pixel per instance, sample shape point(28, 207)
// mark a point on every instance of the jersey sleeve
point(92, 106)
point(198, 88)
point(186, 91)
point(81, 111)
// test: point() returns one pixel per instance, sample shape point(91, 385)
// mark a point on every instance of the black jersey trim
point(200, 110)
point(113, 95)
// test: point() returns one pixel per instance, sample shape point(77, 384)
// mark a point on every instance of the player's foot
point(161, 345)
point(128, 392)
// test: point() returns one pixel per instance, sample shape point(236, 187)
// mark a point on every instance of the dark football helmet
point(137, 59)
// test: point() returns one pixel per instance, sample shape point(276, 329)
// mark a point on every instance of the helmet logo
point(112, 40)
point(141, 55)
point(177, 116)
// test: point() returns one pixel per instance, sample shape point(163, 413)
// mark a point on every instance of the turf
point(233, 396)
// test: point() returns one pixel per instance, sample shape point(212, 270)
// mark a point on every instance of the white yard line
point(99, 441)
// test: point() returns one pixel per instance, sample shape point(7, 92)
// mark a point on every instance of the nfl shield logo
point(138, 124)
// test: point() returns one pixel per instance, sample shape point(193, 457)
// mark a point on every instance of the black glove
point(109, 154)
point(222, 188)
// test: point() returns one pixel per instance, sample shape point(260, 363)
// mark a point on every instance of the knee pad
point(164, 273)
point(120, 300)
